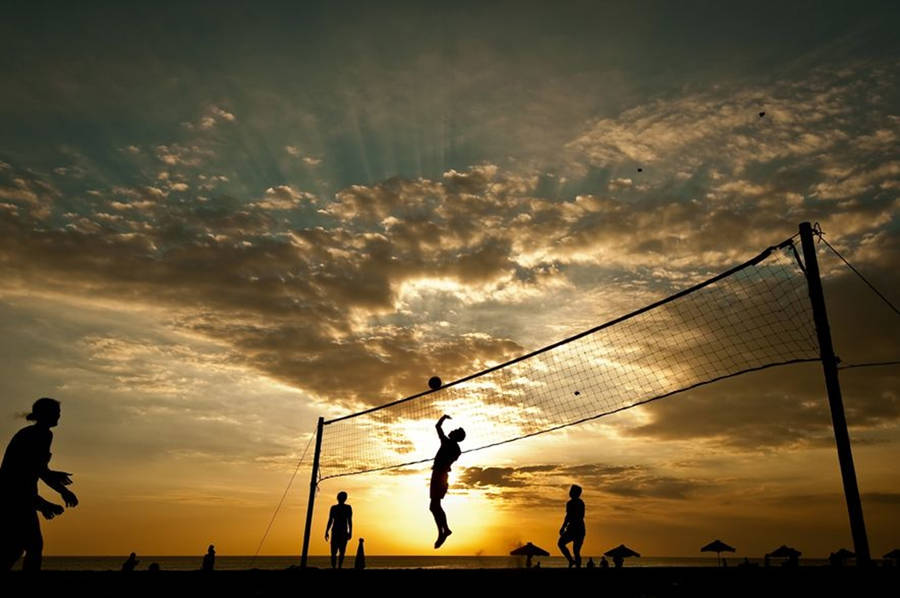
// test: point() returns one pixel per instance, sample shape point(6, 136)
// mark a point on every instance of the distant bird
point(762, 114)
point(640, 170)
point(577, 392)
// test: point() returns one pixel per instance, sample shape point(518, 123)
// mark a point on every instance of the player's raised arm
point(440, 423)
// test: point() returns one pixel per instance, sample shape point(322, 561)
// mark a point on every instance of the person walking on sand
point(572, 529)
point(440, 475)
point(129, 565)
point(340, 522)
point(27, 460)
point(209, 559)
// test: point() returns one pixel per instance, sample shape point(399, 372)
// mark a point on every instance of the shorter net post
point(313, 484)
point(835, 401)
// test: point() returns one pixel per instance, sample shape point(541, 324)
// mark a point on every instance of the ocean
point(187, 563)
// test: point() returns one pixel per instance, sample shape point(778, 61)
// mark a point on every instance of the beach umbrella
point(619, 553)
point(784, 552)
point(717, 546)
point(528, 551)
point(838, 558)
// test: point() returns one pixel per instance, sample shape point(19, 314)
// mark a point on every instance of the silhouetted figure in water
point(604, 564)
point(209, 559)
point(129, 565)
point(360, 561)
point(153, 568)
point(340, 522)
point(440, 474)
point(618, 561)
point(572, 529)
point(590, 563)
point(26, 460)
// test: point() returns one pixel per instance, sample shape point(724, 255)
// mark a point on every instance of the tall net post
point(313, 485)
point(835, 401)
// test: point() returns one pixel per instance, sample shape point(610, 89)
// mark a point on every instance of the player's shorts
point(339, 540)
point(575, 535)
point(439, 484)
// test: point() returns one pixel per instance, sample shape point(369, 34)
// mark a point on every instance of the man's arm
point(330, 521)
point(349, 522)
point(46, 508)
point(565, 522)
point(58, 480)
point(440, 422)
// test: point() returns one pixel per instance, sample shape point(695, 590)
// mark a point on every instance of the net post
point(313, 485)
point(835, 402)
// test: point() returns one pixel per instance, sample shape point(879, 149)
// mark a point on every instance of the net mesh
point(754, 316)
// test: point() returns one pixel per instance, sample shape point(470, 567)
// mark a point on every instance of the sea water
point(188, 563)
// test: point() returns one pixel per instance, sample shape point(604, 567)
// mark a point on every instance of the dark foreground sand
point(637, 582)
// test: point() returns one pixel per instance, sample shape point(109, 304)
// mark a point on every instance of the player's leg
point(342, 548)
point(576, 548)
point(34, 544)
point(563, 540)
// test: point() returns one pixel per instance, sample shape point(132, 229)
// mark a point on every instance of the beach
point(627, 582)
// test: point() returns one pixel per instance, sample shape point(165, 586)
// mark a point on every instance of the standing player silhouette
point(340, 522)
point(27, 460)
point(440, 470)
point(572, 529)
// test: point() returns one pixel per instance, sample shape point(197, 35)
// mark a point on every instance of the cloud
point(541, 482)
point(284, 197)
point(211, 117)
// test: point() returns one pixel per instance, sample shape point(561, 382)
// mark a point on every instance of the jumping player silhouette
point(440, 470)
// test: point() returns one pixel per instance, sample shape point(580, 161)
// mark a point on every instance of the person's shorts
point(572, 535)
point(339, 540)
point(439, 484)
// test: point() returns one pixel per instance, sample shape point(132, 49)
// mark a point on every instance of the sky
point(219, 222)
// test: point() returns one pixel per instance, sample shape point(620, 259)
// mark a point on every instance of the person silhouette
point(604, 564)
point(26, 460)
point(129, 565)
point(209, 559)
point(590, 563)
point(572, 529)
point(340, 522)
point(440, 475)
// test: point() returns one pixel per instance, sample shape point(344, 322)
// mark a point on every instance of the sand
point(636, 582)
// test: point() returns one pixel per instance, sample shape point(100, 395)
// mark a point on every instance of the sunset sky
point(219, 222)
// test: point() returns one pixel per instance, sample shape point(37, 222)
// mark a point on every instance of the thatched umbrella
point(528, 551)
point(838, 558)
point(619, 553)
point(786, 552)
point(717, 546)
